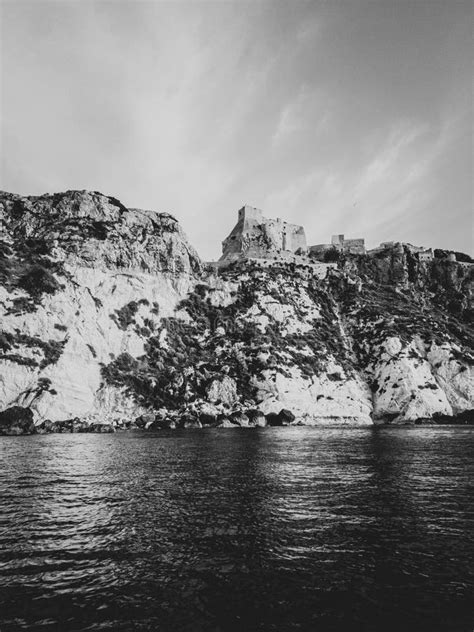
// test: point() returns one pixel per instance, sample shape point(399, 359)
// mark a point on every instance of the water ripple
point(277, 529)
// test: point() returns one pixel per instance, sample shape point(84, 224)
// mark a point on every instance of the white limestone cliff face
point(319, 400)
point(90, 338)
point(415, 381)
point(145, 259)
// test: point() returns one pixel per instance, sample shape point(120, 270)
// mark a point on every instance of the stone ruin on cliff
point(258, 237)
point(341, 244)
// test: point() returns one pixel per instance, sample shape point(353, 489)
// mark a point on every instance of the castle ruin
point(258, 237)
point(340, 243)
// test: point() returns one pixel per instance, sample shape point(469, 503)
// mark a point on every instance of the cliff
point(107, 315)
point(75, 268)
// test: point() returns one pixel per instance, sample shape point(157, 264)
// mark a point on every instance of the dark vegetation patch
point(125, 316)
point(38, 280)
point(51, 350)
point(379, 311)
point(22, 305)
point(332, 255)
point(460, 256)
point(44, 385)
point(195, 353)
point(27, 264)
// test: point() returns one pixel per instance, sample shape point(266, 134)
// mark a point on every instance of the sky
point(345, 116)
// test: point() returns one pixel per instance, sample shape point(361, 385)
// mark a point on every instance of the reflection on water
point(216, 530)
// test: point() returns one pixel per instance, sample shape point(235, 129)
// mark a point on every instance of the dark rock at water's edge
point(283, 418)
point(145, 420)
point(208, 420)
point(256, 418)
point(17, 421)
point(464, 418)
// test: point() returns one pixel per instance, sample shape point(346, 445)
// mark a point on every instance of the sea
point(281, 529)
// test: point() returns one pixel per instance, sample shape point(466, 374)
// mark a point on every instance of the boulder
point(17, 421)
point(223, 390)
point(226, 423)
point(79, 425)
point(466, 417)
point(256, 418)
point(283, 418)
point(191, 422)
point(45, 427)
point(164, 424)
point(208, 420)
point(145, 420)
point(273, 419)
point(208, 414)
point(59, 426)
point(124, 424)
point(62, 426)
point(240, 418)
point(101, 428)
point(286, 417)
point(161, 421)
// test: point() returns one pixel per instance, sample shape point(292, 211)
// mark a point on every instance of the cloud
point(386, 197)
point(304, 109)
point(310, 111)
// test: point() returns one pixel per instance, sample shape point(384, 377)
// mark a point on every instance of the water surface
point(261, 529)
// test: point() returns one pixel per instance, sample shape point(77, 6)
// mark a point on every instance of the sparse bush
point(331, 255)
point(125, 316)
point(38, 280)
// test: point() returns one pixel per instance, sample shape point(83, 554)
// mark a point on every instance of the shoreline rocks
point(18, 420)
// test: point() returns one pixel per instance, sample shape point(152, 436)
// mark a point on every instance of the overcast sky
point(345, 116)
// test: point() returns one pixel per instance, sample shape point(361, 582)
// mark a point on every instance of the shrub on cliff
point(10, 343)
point(331, 255)
point(38, 280)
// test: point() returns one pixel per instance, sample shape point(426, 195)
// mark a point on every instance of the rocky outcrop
point(109, 321)
point(16, 421)
point(82, 280)
point(344, 350)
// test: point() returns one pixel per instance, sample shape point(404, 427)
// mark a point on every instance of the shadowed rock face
point(107, 315)
point(16, 421)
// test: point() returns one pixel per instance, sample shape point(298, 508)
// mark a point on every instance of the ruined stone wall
point(250, 213)
point(426, 255)
point(257, 236)
point(354, 246)
point(294, 238)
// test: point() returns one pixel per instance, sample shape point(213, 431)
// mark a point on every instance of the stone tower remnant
point(257, 237)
